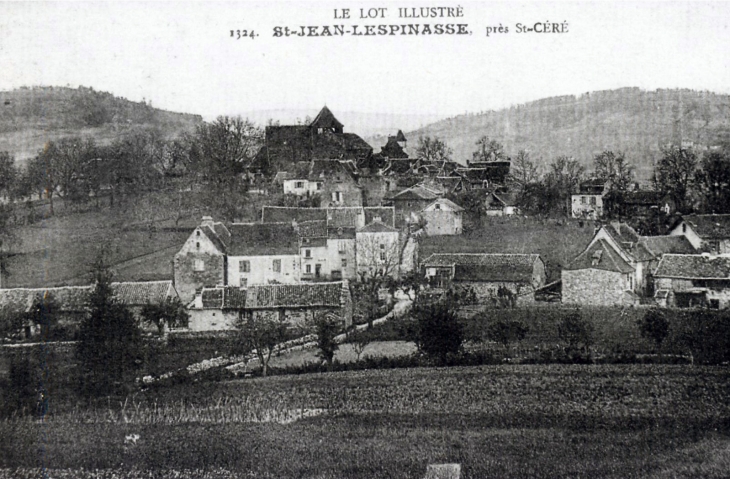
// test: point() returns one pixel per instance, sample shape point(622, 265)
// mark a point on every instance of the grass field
point(557, 243)
point(497, 421)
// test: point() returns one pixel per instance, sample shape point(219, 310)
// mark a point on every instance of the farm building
point(220, 308)
point(521, 274)
point(615, 268)
point(685, 281)
point(73, 301)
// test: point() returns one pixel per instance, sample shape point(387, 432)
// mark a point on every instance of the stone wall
point(487, 292)
point(594, 287)
point(442, 222)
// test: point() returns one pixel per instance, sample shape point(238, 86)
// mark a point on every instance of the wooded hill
point(632, 120)
point(29, 117)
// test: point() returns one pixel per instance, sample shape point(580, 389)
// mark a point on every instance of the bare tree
point(524, 171)
point(262, 332)
point(614, 169)
point(675, 175)
point(433, 149)
point(488, 150)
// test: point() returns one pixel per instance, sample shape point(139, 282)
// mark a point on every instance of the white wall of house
point(263, 269)
point(312, 258)
point(211, 320)
point(587, 206)
point(442, 219)
point(341, 256)
point(377, 250)
point(302, 187)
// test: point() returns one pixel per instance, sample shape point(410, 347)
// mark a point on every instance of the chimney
point(206, 221)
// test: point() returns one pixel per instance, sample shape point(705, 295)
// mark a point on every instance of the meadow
point(510, 421)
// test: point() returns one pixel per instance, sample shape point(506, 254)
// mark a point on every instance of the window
point(277, 266)
point(197, 244)
point(593, 200)
point(319, 186)
point(341, 246)
point(344, 262)
point(307, 253)
point(197, 233)
point(339, 231)
point(382, 256)
point(244, 282)
point(299, 184)
point(244, 266)
point(199, 265)
point(336, 196)
point(684, 228)
point(382, 247)
point(320, 130)
point(437, 206)
point(582, 200)
point(308, 269)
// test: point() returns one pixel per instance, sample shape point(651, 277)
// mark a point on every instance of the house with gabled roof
point(501, 203)
point(261, 253)
point(443, 217)
point(685, 281)
point(588, 202)
point(487, 273)
point(616, 266)
point(412, 200)
point(707, 233)
point(335, 181)
point(220, 308)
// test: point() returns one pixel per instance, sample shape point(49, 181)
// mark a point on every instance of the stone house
point(73, 301)
point(588, 202)
point(443, 217)
point(298, 304)
point(685, 281)
point(378, 250)
point(707, 233)
point(324, 138)
point(336, 182)
point(411, 201)
point(615, 267)
point(486, 273)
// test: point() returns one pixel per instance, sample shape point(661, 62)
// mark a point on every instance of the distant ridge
point(632, 120)
point(30, 116)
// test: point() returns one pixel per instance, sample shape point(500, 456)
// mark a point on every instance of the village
point(372, 211)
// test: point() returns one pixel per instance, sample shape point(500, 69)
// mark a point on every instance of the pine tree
point(110, 344)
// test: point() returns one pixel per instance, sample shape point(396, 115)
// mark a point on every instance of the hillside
point(632, 120)
point(31, 116)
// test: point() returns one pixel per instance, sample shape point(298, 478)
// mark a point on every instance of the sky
point(181, 57)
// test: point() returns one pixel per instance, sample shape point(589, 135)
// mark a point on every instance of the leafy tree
point(506, 331)
point(433, 149)
point(654, 326)
point(675, 175)
point(109, 349)
point(20, 393)
point(43, 171)
point(614, 169)
point(261, 333)
point(326, 327)
point(9, 174)
point(576, 331)
point(488, 150)
point(168, 314)
point(713, 182)
point(8, 239)
point(439, 332)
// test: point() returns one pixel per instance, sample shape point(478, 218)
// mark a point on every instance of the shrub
point(439, 332)
point(576, 331)
point(506, 331)
point(654, 326)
